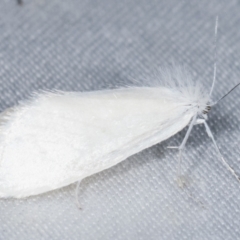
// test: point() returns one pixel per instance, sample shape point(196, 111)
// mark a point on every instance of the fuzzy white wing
point(60, 138)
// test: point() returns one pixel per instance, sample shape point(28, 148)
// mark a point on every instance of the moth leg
point(181, 180)
point(209, 133)
point(200, 121)
point(194, 121)
point(182, 146)
point(76, 195)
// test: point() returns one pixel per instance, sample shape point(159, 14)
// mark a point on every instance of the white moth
point(59, 138)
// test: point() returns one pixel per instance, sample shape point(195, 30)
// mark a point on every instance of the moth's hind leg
point(209, 133)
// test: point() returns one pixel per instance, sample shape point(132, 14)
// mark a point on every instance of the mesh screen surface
point(88, 45)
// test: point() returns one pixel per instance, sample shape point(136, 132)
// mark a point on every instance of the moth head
point(206, 110)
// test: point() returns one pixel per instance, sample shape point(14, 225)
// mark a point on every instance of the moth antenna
point(219, 152)
point(215, 56)
point(225, 95)
point(76, 195)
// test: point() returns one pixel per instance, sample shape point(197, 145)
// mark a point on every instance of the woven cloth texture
point(83, 45)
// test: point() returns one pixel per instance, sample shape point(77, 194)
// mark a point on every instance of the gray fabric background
point(85, 45)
